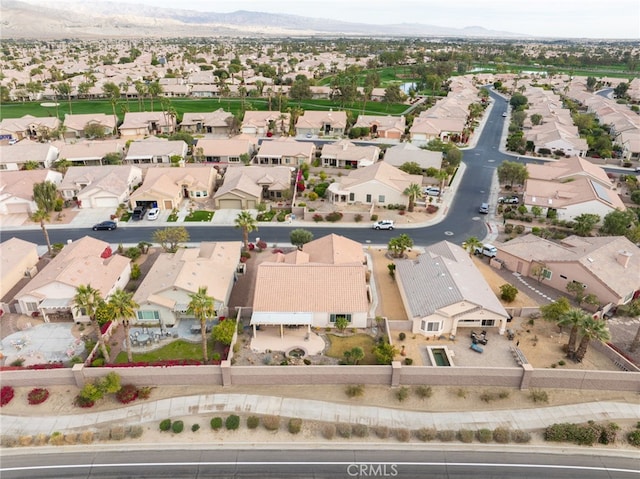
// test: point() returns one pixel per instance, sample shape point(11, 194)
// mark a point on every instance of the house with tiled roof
point(167, 188)
point(154, 150)
point(227, 150)
point(18, 260)
point(443, 291)
point(403, 153)
point(15, 157)
point(16, 189)
point(217, 122)
point(100, 186)
point(90, 152)
point(426, 128)
point(285, 152)
point(142, 124)
point(74, 125)
point(388, 127)
point(245, 187)
point(346, 154)
point(379, 184)
point(163, 295)
point(29, 126)
point(85, 261)
point(322, 123)
point(334, 262)
point(606, 266)
point(260, 123)
point(571, 187)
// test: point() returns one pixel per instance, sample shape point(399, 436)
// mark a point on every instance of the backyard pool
point(440, 356)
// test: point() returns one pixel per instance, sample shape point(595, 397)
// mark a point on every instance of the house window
point(148, 315)
point(488, 322)
point(234, 159)
point(430, 326)
point(335, 317)
point(380, 198)
point(627, 298)
point(31, 306)
point(546, 274)
point(368, 200)
point(352, 196)
point(563, 276)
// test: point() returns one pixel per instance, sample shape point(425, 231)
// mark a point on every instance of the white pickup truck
point(486, 250)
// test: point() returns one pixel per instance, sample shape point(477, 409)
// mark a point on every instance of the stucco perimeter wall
point(452, 376)
point(157, 376)
point(38, 378)
point(575, 379)
point(292, 375)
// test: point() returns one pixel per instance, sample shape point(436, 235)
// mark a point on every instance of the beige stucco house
point(163, 296)
point(100, 186)
point(245, 187)
point(345, 154)
point(154, 150)
point(260, 123)
point(285, 152)
point(91, 152)
point(228, 150)
point(442, 291)
point(74, 125)
point(218, 123)
point(322, 123)
point(85, 261)
point(18, 260)
point(16, 189)
point(15, 157)
point(29, 126)
point(607, 266)
point(387, 127)
point(142, 124)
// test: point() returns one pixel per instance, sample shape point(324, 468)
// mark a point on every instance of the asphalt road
point(316, 464)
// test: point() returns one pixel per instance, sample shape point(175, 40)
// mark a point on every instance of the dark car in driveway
point(105, 225)
point(138, 213)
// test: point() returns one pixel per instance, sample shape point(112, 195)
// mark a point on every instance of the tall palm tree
point(42, 216)
point(87, 301)
point(413, 191)
point(574, 318)
point(471, 244)
point(442, 176)
point(591, 329)
point(202, 306)
point(122, 307)
point(247, 223)
point(112, 92)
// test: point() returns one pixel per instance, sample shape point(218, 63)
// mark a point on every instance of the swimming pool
point(440, 356)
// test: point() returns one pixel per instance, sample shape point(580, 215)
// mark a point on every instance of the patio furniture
point(143, 338)
point(476, 348)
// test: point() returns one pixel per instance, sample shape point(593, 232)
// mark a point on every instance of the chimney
point(623, 258)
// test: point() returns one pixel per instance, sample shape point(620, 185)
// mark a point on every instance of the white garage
point(17, 208)
point(105, 202)
point(229, 204)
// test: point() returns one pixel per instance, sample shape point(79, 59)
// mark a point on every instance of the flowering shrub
point(38, 396)
point(105, 327)
point(127, 394)
point(318, 217)
point(83, 402)
point(262, 245)
point(6, 395)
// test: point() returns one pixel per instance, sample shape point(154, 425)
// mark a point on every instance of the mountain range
point(103, 19)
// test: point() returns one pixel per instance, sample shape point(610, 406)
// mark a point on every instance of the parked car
point(105, 225)
point(153, 214)
point(504, 115)
point(484, 208)
point(486, 250)
point(383, 225)
point(431, 190)
point(138, 213)
point(511, 200)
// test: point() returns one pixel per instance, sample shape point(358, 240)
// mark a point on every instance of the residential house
point(16, 189)
point(85, 261)
point(606, 266)
point(163, 295)
point(336, 263)
point(245, 187)
point(379, 184)
point(442, 291)
point(154, 150)
point(322, 123)
point(571, 187)
point(345, 154)
point(388, 127)
point(217, 123)
point(205, 91)
point(426, 128)
point(18, 261)
point(167, 188)
point(403, 153)
point(261, 123)
point(320, 92)
point(100, 186)
point(16, 157)
point(28, 126)
point(228, 150)
point(142, 124)
point(91, 153)
point(558, 139)
point(74, 125)
point(285, 152)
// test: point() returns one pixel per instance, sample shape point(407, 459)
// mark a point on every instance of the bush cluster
point(582, 434)
point(271, 423)
point(177, 427)
point(253, 422)
point(216, 423)
point(127, 394)
point(37, 395)
point(6, 395)
point(232, 422)
point(295, 425)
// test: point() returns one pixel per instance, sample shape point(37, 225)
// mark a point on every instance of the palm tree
point(112, 92)
point(42, 216)
point(87, 301)
point(247, 222)
point(122, 308)
point(471, 244)
point(442, 176)
point(413, 191)
point(591, 329)
point(202, 306)
point(574, 318)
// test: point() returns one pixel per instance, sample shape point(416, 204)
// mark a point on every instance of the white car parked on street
point(383, 225)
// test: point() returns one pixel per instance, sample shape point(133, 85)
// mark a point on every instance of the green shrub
point(538, 395)
point(195, 427)
point(402, 393)
point(344, 430)
point(583, 435)
point(501, 435)
point(271, 422)
point(424, 392)
point(519, 229)
point(253, 422)
point(165, 425)
point(333, 216)
point(446, 436)
point(508, 292)
point(609, 433)
point(403, 435)
point(177, 427)
point(520, 436)
point(426, 434)
point(488, 396)
point(232, 422)
point(354, 390)
point(329, 431)
point(508, 228)
point(295, 425)
point(135, 271)
point(408, 361)
point(634, 438)
point(465, 435)
point(360, 430)
point(216, 423)
point(484, 435)
point(382, 432)
point(374, 217)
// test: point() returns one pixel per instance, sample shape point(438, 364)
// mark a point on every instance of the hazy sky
point(549, 18)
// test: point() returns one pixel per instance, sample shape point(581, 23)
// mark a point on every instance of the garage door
point(106, 202)
point(251, 204)
point(17, 208)
point(230, 204)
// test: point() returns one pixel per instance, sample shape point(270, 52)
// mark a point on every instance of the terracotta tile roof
point(334, 249)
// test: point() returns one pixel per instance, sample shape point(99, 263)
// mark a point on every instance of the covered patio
point(284, 332)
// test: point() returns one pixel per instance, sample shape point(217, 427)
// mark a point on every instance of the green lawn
point(201, 215)
point(341, 344)
point(178, 349)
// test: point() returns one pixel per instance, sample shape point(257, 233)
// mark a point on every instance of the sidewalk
point(313, 410)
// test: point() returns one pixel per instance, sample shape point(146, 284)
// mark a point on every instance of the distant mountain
point(103, 19)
